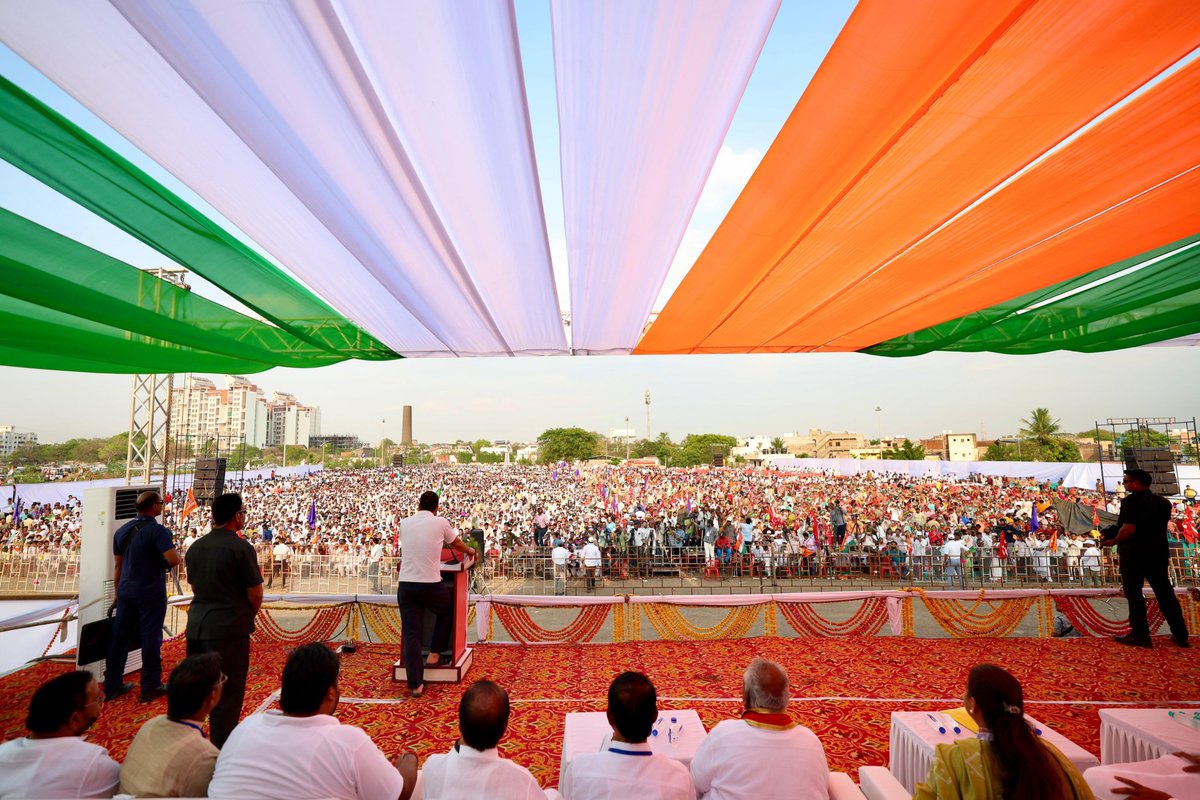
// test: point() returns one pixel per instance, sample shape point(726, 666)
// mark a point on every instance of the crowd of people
point(301, 750)
point(532, 520)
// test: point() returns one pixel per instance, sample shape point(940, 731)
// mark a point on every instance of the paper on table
point(963, 719)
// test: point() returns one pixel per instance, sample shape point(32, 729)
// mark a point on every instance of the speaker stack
point(1159, 463)
point(209, 481)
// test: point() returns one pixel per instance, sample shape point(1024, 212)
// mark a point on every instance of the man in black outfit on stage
point(223, 570)
point(1141, 540)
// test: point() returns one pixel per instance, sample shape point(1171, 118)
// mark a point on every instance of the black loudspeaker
point(1159, 462)
point(398, 460)
point(718, 460)
point(209, 481)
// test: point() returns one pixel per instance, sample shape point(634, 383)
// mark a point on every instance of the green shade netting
point(1149, 298)
point(49, 147)
point(62, 300)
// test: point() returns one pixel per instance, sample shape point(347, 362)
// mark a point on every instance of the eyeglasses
point(221, 680)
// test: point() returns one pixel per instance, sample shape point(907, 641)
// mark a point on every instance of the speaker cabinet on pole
point(209, 481)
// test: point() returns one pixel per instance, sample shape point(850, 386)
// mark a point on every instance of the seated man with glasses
point(54, 760)
point(171, 756)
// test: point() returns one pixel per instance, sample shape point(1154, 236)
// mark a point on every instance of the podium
point(456, 575)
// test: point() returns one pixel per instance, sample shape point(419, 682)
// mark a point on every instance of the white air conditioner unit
point(105, 510)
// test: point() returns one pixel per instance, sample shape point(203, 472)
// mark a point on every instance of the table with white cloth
point(589, 732)
point(1143, 734)
point(913, 741)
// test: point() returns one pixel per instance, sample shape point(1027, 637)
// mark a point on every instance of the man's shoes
point(113, 694)
point(1134, 641)
point(418, 692)
point(1180, 640)
point(153, 693)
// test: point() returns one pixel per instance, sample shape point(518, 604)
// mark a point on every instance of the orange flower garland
point(669, 622)
point(324, 625)
point(383, 622)
point(583, 628)
point(1001, 619)
point(1084, 616)
point(866, 621)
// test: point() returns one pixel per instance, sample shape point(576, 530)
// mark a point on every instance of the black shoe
point(1180, 640)
point(152, 694)
point(1134, 641)
point(113, 694)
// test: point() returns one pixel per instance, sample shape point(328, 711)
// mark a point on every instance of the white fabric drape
point(646, 92)
point(380, 151)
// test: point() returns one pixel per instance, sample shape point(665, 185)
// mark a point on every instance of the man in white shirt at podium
point(420, 589)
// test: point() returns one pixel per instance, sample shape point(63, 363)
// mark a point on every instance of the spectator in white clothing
point(628, 768)
point(473, 768)
point(788, 759)
point(303, 752)
point(54, 760)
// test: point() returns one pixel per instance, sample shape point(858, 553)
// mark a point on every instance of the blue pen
point(934, 723)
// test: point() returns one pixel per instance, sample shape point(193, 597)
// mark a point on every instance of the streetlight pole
point(647, 414)
point(627, 438)
point(382, 437)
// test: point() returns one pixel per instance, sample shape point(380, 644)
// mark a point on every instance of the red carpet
point(545, 682)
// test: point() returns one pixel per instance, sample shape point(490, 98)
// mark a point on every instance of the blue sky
point(518, 398)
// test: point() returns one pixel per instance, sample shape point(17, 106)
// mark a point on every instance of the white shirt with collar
point(590, 555)
point(467, 774)
point(65, 766)
point(422, 537)
point(302, 758)
point(786, 764)
point(560, 555)
point(623, 771)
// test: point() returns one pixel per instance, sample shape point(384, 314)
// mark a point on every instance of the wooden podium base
point(452, 674)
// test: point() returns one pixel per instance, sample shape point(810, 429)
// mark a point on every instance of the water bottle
point(674, 731)
point(656, 731)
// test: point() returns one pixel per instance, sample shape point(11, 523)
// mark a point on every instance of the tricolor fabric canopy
point(1012, 176)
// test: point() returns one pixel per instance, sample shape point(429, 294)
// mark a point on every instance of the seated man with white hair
point(765, 753)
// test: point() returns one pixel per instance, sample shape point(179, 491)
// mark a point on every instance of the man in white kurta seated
point(54, 760)
point(627, 769)
point(765, 753)
point(302, 752)
point(474, 768)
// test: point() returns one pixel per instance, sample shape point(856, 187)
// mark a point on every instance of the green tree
point(1100, 435)
point(1000, 451)
point(1144, 437)
point(1041, 427)
point(907, 451)
point(566, 444)
point(463, 456)
point(490, 458)
point(699, 448)
point(777, 445)
point(115, 448)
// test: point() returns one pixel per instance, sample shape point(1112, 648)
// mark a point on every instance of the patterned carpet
point(845, 688)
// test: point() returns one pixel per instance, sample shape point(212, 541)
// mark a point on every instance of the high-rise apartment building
point(208, 418)
point(11, 439)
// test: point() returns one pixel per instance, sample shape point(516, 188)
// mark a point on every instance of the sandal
point(418, 692)
point(442, 661)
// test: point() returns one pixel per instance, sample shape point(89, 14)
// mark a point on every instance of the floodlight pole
point(627, 438)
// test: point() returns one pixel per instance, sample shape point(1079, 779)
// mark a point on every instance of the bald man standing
point(474, 768)
point(788, 759)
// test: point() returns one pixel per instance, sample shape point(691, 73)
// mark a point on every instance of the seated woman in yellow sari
point(1007, 761)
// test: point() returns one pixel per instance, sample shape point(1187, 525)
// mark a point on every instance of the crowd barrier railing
point(679, 571)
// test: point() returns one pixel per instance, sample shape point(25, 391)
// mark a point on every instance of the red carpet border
point(871, 677)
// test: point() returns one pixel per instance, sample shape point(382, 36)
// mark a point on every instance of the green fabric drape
point(71, 307)
point(49, 147)
point(1149, 298)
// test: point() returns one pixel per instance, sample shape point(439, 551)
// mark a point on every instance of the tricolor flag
point(189, 506)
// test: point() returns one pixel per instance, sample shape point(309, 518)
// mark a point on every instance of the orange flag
point(190, 506)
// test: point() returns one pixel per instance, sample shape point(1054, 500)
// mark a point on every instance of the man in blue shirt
point(142, 552)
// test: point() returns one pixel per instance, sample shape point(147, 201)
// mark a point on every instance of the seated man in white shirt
point(473, 768)
point(303, 752)
point(171, 756)
point(627, 768)
point(765, 753)
point(54, 760)
point(1172, 777)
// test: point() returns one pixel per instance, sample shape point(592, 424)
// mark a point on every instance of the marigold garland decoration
point(1086, 619)
point(619, 633)
point(520, 625)
point(1001, 618)
point(324, 625)
point(670, 623)
point(770, 624)
point(383, 622)
point(805, 620)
